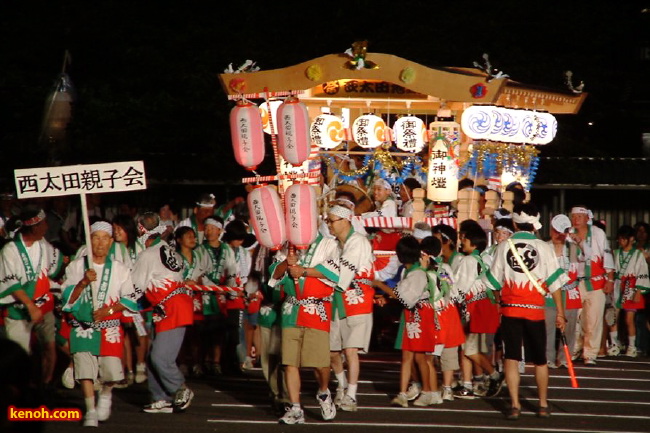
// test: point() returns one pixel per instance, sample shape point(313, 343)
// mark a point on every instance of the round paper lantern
point(327, 131)
point(301, 215)
point(476, 122)
point(266, 114)
point(410, 133)
point(266, 216)
point(368, 131)
point(293, 131)
point(247, 134)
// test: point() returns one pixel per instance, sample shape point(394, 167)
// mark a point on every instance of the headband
point(524, 218)
point(210, 202)
point(340, 211)
point(160, 229)
point(500, 215)
point(35, 219)
point(101, 226)
point(421, 234)
point(345, 202)
point(504, 228)
point(383, 183)
point(213, 222)
point(582, 210)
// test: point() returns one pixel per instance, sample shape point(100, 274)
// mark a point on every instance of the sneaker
point(248, 364)
point(140, 373)
point(119, 385)
point(348, 404)
point(104, 404)
point(338, 398)
point(551, 364)
point(217, 369)
point(160, 406)
point(130, 378)
point(631, 352)
point(479, 388)
point(183, 398)
point(614, 350)
point(91, 420)
point(447, 394)
point(293, 416)
point(494, 386)
point(197, 371)
point(327, 407)
point(590, 361)
point(466, 394)
point(428, 399)
point(413, 391)
point(576, 356)
point(401, 400)
point(67, 379)
point(601, 355)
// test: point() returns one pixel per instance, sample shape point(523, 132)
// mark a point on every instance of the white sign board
point(80, 179)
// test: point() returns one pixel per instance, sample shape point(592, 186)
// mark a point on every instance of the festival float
point(342, 120)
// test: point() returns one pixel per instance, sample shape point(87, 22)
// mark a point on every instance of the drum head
point(364, 202)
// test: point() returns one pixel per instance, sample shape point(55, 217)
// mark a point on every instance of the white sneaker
point(293, 416)
point(183, 398)
point(67, 379)
point(327, 407)
point(160, 406)
point(428, 399)
point(91, 420)
point(447, 394)
point(590, 361)
point(338, 398)
point(140, 373)
point(348, 404)
point(401, 400)
point(248, 364)
point(104, 404)
point(614, 350)
point(551, 364)
point(413, 391)
point(631, 352)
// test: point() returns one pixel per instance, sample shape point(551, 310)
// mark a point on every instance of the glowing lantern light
point(327, 131)
point(266, 115)
point(266, 216)
point(368, 131)
point(293, 131)
point(301, 215)
point(410, 133)
point(476, 122)
point(442, 181)
point(247, 134)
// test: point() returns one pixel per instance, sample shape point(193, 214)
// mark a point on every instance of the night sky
point(146, 72)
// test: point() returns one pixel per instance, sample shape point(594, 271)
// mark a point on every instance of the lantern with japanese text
point(327, 131)
point(368, 131)
point(266, 216)
point(442, 181)
point(409, 133)
point(247, 134)
point(301, 215)
point(294, 143)
point(269, 113)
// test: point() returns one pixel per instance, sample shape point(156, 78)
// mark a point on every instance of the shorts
point(351, 332)
point(305, 347)
point(449, 359)
point(251, 318)
point(516, 332)
point(89, 366)
point(475, 343)
point(20, 331)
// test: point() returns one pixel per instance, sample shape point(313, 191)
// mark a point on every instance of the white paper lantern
point(326, 131)
point(368, 131)
point(442, 180)
point(497, 120)
point(301, 215)
point(409, 133)
point(294, 143)
point(266, 216)
point(476, 122)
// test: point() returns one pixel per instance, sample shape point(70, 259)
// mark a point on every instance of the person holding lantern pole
point(305, 319)
point(353, 302)
point(97, 295)
point(525, 268)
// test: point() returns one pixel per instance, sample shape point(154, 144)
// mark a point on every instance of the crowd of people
point(156, 299)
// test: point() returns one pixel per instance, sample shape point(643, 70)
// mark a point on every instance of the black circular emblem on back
point(529, 256)
point(168, 258)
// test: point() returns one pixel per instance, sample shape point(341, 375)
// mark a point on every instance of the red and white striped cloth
point(264, 95)
point(310, 175)
point(402, 222)
point(222, 289)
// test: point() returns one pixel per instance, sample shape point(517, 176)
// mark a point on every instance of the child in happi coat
point(417, 328)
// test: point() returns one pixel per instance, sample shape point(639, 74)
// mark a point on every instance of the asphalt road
point(613, 396)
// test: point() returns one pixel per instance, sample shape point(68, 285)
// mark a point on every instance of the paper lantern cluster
point(488, 122)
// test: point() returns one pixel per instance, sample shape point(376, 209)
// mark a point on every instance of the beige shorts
point(449, 359)
point(20, 331)
point(351, 332)
point(475, 343)
point(305, 347)
point(89, 366)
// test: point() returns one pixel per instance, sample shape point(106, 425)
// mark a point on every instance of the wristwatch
point(304, 273)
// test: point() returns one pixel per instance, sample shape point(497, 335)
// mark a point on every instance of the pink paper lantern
point(294, 141)
point(266, 216)
point(247, 134)
point(301, 215)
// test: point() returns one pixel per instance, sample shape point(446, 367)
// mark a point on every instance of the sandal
point(513, 414)
point(544, 412)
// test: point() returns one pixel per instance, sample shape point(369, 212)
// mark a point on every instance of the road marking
point(330, 424)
